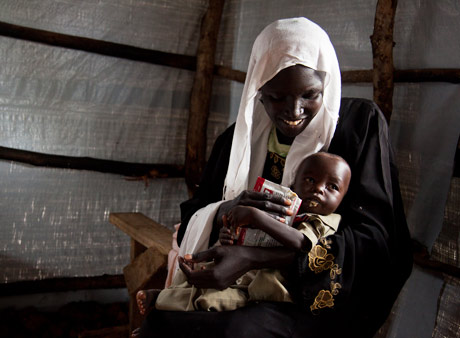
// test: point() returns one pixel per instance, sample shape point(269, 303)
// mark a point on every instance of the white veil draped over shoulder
point(281, 44)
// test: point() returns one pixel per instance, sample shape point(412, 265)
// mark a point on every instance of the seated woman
point(321, 182)
point(347, 283)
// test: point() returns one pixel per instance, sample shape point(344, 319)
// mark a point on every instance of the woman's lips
point(293, 123)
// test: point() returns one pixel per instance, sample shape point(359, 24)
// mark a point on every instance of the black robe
point(370, 256)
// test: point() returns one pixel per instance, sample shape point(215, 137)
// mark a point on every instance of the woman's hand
point(230, 263)
point(274, 204)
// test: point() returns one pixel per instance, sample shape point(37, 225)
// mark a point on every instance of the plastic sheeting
point(60, 101)
point(66, 102)
point(55, 222)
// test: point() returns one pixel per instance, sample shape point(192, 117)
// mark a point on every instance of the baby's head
point(321, 182)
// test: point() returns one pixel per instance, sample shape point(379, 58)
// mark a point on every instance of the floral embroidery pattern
point(320, 260)
point(275, 157)
point(275, 172)
point(322, 300)
point(278, 165)
point(335, 270)
point(335, 288)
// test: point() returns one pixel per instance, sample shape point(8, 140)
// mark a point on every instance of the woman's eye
point(275, 97)
point(311, 95)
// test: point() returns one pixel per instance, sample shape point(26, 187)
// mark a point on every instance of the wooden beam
point(406, 75)
point(200, 100)
point(87, 163)
point(230, 74)
point(382, 50)
point(97, 46)
point(189, 62)
point(427, 75)
point(107, 48)
point(62, 285)
point(357, 76)
point(422, 258)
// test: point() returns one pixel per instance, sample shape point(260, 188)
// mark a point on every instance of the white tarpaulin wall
point(54, 222)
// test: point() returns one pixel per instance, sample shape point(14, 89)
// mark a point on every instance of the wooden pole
point(382, 50)
point(97, 46)
point(201, 95)
point(189, 62)
point(406, 75)
point(88, 163)
point(427, 75)
point(112, 49)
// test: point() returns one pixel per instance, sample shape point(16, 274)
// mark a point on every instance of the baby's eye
point(333, 186)
point(309, 180)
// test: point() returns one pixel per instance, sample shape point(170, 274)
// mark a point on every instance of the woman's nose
point(295, 108)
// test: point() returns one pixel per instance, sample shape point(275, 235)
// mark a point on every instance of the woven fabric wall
point(54, 222)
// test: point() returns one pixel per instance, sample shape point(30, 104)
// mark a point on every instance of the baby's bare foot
point(146, 300)
point(135, 332)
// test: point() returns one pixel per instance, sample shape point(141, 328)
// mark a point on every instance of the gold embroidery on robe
point(275, 157)
point(322, 300)
point(335, 288)
point(274, 167)
point(319, 260)
point(325, 242)
point(335, 270)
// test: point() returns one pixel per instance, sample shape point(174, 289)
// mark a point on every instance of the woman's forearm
point(269, 258)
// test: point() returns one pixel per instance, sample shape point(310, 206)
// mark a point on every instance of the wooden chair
point(151, 243)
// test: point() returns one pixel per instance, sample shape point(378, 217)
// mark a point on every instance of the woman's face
point(292, 99)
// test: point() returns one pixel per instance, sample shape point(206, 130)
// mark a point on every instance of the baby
point(321, 182)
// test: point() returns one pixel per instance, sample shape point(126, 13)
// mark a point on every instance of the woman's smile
point(293, 123)
point(292, 99)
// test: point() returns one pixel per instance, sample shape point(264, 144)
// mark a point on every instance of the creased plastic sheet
point(426, 130)
point(59, 101)
point(411, 306)
point(74, 103)
point(446, 249)
point(96, 106)
point(55, 222)
point(447, 323)
point(169, 26)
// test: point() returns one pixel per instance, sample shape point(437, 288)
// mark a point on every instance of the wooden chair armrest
point(143, 230)
point(150, 246)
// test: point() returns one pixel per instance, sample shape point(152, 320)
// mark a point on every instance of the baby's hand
point(225, 236)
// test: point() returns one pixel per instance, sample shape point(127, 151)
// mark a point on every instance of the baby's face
point(321, 182)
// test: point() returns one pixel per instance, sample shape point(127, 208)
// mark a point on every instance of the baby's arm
point(291, 238)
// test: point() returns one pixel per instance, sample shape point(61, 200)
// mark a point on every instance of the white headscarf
point(282, 44)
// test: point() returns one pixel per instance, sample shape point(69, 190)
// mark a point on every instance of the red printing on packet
point(256, 237)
